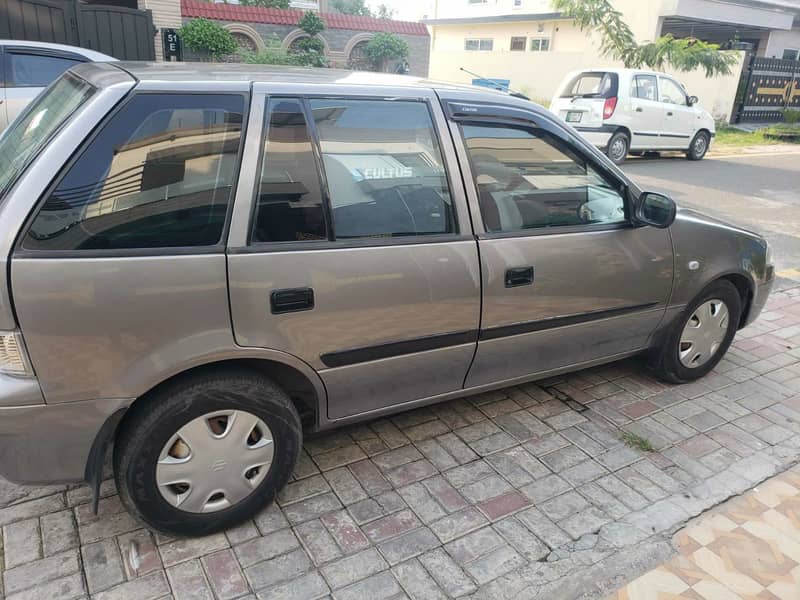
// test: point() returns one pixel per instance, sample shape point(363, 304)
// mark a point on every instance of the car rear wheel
point(617, 149)
point(207, 451)
point(701, 336)
point(699, 146)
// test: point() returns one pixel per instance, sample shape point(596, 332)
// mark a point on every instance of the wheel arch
point(744, 285)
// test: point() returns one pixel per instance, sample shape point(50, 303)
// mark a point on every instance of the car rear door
point(567, 279)
point(582, 100)
point(646, 112)
point(679, 117)
point(352, 249)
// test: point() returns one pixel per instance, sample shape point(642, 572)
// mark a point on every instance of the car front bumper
point(47, 443)
point(760, 296)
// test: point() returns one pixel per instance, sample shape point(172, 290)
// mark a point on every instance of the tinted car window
point(592, 84)
point(289, 203)
point(644, 87)
point(528, 180)
point(35, 70)
point(384, 169)
point(671, 92)
point(158, 174)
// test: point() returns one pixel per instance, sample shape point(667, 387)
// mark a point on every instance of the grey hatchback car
point(205, 261)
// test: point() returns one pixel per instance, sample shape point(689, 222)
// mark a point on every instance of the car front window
point(29, 133)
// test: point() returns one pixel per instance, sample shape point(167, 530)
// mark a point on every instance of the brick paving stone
point(695, 468)
point(605, 501)
point(103, 565)
point(773, 435)
point(469, 547)
point(410, 418)
point(348, 570)
point(546, 444)
point(565, 420)
point(521, 538)
point(339, 457)
point(370, 478)
point(447, 573)
point(492, 443)
point(416, 581)
point(312, 508)
point(545, 488)
point(458, 524)
point(751, 422)
point(188, 581)
point(704, 421)
point(640, 483)
point(522, 425)
point(147, 587)
point(22, 542)
point(242, 533)
point(698, 446)
point(64, 588)
point(224, 575)
point(719, 460)
point(425, 431)
point(391, 526)
point(408, 545)
point(548, 409)
point(460, 452)
point(680, 429)
point(277, 570)
point(396, 458)
point(583, 472)
point(59, 532)
point(188, 548)
point(319, 544)
point(563, 506)
point(346, 533)
point(139, 553)
point(483, 489)
point(445, 494)
point(377, 587)
point(623, 492)
point(584, 442)
point(411, 472)
point(564, 458)
point(585, 521)
point(618, 457)
point(420, 500)
point(310, 586)
point(345, 485)
point(494, 564)
point(389, 433)
point(302, 489)
point(469, 473)
point(40, 571)
point(32, 508)
point(477, 431)
point(542, 527)
point(305, 466)
point(501, 506)
point(270, 519)
point(437, 455)
point(517, 466)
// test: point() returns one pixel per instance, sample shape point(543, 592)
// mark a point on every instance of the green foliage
point(791, 115)
point(351, 7)
point(636, 441)
point(311, 23)
point(384, 12)
point(271, 55)
point(266, 3)
point(204, 36)
point(384, 47)
point(618, 42)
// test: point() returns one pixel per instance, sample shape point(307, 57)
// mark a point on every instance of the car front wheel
point(699, 338)
point(206, 451)
point(699, 146)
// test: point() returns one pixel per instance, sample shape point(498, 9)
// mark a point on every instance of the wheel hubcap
point(703, 334)
point(700, 145)
point(214, 461)
point(618, 148)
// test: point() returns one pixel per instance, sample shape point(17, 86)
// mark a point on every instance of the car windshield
point(29, 133)
point(591, 84)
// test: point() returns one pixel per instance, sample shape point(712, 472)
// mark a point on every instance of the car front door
point(357, 256)
point(28, 72)
point(679, 117)
point(647, 113)
point(567, 279)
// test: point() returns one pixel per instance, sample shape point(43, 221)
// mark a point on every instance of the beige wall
point(166, 13)
point(782, 40)
point(538, 74)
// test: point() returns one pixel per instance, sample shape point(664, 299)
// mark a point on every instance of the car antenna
point(497, 86)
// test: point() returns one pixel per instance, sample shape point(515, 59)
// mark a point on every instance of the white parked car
point(628, 110)
point(29, 67)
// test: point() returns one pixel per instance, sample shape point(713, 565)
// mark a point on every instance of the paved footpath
point(524, 493)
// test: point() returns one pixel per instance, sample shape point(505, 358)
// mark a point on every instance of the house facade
point(533, 46)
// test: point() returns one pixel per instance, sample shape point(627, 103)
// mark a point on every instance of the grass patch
point(637, 442)
point(781, 132)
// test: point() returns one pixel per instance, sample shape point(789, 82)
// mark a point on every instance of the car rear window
point(592, 84)
point(31, 131)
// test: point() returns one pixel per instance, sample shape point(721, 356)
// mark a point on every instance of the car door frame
point(244, 211)
point(646, 138)
point(678, 123)
point(463, 106)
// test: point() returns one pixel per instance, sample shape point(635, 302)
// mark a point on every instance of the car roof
point(188, 72)
point(85, 52)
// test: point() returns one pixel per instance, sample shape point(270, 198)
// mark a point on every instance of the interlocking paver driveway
point(524, 492)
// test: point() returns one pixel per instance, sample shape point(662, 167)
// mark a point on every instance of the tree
point(352, 7)
point(310, 50)
point(618, 42)
point(207, 37)
point(384, 47)
point(266, 3)
point(384, 12)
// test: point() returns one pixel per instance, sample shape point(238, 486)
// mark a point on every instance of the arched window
point(244, 41)
point(358, 60)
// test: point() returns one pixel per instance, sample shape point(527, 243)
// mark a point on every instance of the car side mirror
point(656, 210)
point(693, 100)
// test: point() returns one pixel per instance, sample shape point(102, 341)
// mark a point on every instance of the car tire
point(699, 146)
point(617, 149)
point(206, 451)
point(681, 359)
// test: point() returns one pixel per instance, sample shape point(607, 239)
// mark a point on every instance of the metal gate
point(768, 86)
point(123, 33)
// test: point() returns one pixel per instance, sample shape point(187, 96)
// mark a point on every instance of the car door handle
point(639, 109)
point(519, 276)
point(291, 300)
point(670, 113)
